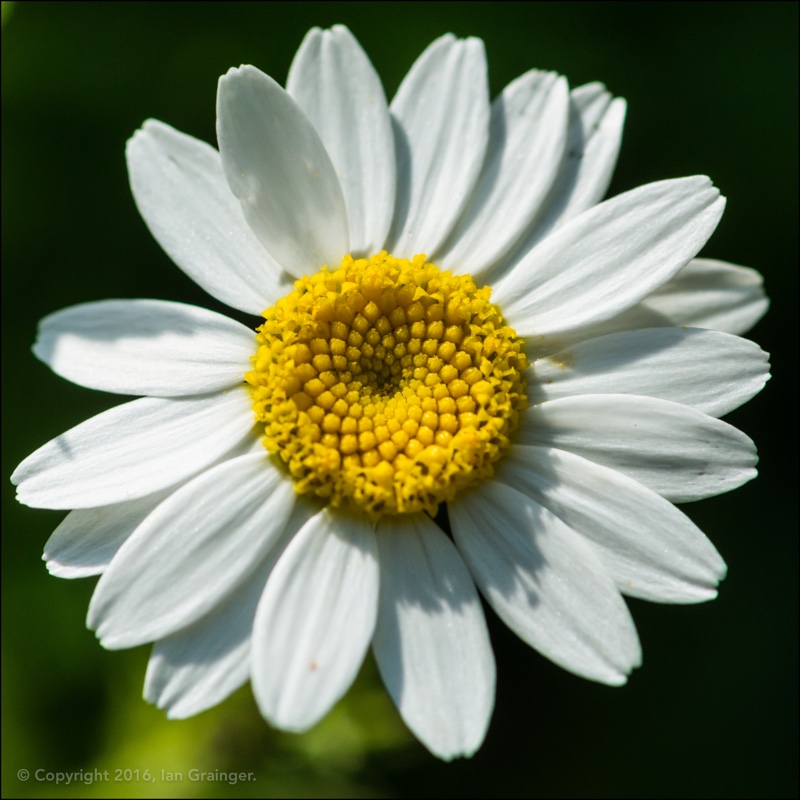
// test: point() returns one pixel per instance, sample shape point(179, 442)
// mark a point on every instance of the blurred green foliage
point(712, 88)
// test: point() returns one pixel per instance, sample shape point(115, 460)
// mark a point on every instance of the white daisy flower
point(468, 325)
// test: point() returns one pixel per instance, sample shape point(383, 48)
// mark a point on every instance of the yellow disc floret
point(387, 385)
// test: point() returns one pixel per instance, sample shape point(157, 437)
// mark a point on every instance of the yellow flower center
point(387, 385)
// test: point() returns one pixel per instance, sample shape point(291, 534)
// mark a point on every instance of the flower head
point(450, 318)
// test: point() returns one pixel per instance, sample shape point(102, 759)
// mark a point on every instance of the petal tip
point(447, 756)
point(151, 125)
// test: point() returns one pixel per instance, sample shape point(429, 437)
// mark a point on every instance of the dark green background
point(712, 88)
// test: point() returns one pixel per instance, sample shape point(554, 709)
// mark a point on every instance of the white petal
point(315, 620)
point(145, 347)
point(710, 371)
point(610, 257)
point(335, 84)
point(199, 666)
point(680, 453)
point(594, 140)
point(704, 294)
point(431, 642)
point(712, 294)
point(546, 582)
point(133, 450)
point(182, 194)
point(526, 142)
point(88, 538)
point(192, 552)
point(279, 169)
point(651, 549)
point(442, 114)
